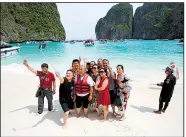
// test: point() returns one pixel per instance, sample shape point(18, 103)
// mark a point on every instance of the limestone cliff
point(158, 21)
point(30, 21)
point(117, 24)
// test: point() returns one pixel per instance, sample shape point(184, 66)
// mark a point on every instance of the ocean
point(139, 57)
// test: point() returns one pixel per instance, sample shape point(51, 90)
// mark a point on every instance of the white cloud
point(79, 19)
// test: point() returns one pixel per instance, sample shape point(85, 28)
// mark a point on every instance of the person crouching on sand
point(66, 94)
point(104, 95)
point(167, 90)
point(47, 79)
point(83, 90)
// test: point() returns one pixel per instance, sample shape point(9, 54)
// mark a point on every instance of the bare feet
point(77, 115)
point(122, 118)
point(102, 120)
point(86, 116)
point(64, 125)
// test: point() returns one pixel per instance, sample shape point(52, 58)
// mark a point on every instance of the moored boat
point(8, 50)
point(180, 42)
point(89, 42)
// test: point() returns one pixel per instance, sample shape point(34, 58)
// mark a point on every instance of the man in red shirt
point(46, 80)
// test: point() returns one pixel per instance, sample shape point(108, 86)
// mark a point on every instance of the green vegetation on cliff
point(117, 24)
point(30, 21)
point(156, 20)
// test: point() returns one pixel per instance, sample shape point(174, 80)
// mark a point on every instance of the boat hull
point(181, 43)
point(88, 45)
point(6, 52)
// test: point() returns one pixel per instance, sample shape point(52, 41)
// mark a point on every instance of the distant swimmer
point(167, 90)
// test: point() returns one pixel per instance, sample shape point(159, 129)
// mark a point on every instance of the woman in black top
point(66, 94)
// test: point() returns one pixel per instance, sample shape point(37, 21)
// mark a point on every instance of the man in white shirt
point(83, 90)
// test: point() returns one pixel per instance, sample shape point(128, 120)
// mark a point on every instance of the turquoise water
point(141, 55)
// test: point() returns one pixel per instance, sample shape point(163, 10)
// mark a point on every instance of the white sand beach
point(19, 110)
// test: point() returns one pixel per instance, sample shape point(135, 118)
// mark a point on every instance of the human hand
point(80, 59)
point(25, 63)
point(84, 59)
point(74, 99)
point(96, 88)
point(57, 74)
point(177, 78)
point(54, 91)
point(109, 68)
point(90, 98)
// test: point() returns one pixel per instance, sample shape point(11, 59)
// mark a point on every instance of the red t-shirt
point(48, 80)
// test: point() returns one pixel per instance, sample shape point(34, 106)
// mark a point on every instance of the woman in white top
point(125, 88)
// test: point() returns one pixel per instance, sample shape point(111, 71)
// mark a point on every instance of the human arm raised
point(29, 67)
point(61, 79)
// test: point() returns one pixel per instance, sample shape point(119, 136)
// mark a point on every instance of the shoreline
point(68, 41)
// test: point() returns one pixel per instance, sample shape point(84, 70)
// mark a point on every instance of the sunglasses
point(94, 68)
point(101, 71)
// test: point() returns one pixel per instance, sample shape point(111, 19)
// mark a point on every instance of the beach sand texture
point(19, 110)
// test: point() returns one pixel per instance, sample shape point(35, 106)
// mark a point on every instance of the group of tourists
point(91, 85)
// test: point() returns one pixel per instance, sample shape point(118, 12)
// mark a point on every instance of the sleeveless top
point(66, 90)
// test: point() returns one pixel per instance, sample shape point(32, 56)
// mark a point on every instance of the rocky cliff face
point(158, 21)
point(30, 21)
point(117, 24)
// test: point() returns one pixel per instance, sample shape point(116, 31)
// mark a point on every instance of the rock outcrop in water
point(117, 24)
point(30, 21)
point(159, 21)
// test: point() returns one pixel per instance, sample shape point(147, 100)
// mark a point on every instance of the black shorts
point(112, 96)
point(66, 105)
point(82, 101)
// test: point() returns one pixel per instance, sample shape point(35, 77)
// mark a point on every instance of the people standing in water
point(125, 88)
point(96, 77)
point(167, 90)
point(75, 66)
point(175, 70)
point(47, 84)
point(83, 90)
point(104, 95)
point(112, 76)
point(66, 94)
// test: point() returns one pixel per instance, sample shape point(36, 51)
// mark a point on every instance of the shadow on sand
point(56, 115)
point(52, 116)
point(143, 109)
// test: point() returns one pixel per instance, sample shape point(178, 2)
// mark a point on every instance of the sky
point(80, 19)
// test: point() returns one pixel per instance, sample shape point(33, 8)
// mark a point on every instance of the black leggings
point(82, 101)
